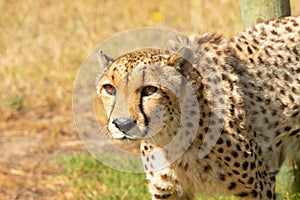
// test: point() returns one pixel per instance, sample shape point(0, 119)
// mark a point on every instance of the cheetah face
point(140, 92)
point(133, 94)
point(134, 115)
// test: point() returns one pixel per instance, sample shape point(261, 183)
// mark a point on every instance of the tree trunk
point(255, 11)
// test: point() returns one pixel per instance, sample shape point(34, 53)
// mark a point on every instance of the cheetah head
point(142, 93)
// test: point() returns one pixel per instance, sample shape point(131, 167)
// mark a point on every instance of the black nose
point(123, 124)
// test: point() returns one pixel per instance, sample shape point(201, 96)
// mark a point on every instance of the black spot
point(231, 186)
point(295, 132)
point(282, 107)
point(250, 180)
point(164, 176)
point(242, 194)
point(236, 164)
point(236, 172)
point(222, 177)
point(239, 47)
point(200, 137)
point(228, 143)
point(220, 141)
point(206, 129)
point(261, 185)
point(200, 122)
point(247, 146)
point(269, 194)
point(227, 158)
point(295, 114)
point(249, 50)
point(245, 165)
point(268, 101)
point(274, 32)
point(220, 150)
point(274, 112)
point(259, 99)
point(252, 165)
point(254, 193)
point(277, 133)
point(278, 143)
point(287, 128)
point(207, 168)
point(234, 154)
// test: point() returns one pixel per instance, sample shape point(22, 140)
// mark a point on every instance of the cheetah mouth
point(124, 137)
point(134, 133)
point(128, 137)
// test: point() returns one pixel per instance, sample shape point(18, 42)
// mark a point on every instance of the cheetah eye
point(109, 89)
point(148, 90)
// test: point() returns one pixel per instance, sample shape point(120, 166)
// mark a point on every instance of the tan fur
point(243, 94)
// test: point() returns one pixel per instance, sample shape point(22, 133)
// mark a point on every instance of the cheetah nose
point(123, 124)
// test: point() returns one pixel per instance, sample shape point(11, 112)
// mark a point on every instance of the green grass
point(89, 179)
point(285, 182)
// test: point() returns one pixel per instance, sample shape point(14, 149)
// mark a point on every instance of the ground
point(27, 170)
point(42, 46)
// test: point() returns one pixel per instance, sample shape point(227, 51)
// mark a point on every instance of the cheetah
point(212, 116)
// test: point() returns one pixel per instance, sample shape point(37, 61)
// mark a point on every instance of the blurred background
point(42, 45)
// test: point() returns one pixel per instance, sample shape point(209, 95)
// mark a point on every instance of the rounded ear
point(184, 56)
point(103, 59)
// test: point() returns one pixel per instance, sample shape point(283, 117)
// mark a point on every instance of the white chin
point(122, 136)
point(118, 135)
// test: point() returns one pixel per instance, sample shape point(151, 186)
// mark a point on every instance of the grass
point(43, 44)
point(285, 183)
point(16, 104)
point(90, 179)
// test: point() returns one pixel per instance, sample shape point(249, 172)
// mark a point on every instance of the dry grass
point(43, 44)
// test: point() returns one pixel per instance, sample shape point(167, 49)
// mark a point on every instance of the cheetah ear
point(104, 60)
point(184, 56)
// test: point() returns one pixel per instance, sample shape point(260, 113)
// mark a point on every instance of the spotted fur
point(249, 86)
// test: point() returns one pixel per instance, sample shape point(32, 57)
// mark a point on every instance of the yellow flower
point(157, 16)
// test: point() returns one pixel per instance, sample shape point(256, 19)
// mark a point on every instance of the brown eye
point(148, 90)
point(109, 89)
